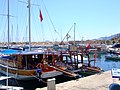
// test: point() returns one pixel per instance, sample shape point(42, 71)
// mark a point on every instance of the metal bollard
point(51, 84)
point(114, 86)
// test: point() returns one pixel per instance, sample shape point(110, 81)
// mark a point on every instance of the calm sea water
point(107, 64)
point(31, 85)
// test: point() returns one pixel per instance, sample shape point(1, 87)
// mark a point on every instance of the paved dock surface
point(93, 82)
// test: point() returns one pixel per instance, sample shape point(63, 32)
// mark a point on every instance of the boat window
point(34, 56)
point(49, 59)
point(66, 58)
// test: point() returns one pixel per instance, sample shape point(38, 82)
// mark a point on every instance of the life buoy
point(39, 65)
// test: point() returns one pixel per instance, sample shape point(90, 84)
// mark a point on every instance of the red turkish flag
point(88, 46)
point(41, 17)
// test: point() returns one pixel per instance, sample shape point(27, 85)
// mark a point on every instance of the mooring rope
point(37, 77)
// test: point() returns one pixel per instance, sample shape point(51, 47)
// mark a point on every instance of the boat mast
point(29, 26)
point(8, 41)
point(74, 33)
point(8, 25)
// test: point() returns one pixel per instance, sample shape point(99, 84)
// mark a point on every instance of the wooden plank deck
point(93, 82)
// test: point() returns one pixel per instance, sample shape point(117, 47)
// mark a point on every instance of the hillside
point(110, 37)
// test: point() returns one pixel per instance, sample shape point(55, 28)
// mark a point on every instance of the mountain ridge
point(110, 37)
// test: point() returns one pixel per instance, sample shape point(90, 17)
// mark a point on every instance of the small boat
point(112, 57)
point(115, 49)
point(23, 65)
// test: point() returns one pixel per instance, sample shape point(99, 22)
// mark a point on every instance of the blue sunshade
point(10, 51)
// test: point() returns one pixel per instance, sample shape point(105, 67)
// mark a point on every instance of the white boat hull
point(113, 57)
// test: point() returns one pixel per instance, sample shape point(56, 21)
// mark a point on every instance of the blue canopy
point(10, 51)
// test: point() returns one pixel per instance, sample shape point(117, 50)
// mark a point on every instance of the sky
point(90, 19)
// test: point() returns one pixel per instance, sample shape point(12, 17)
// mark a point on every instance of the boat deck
point(100, 81)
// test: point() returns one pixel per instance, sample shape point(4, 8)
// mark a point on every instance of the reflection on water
point(107, 64)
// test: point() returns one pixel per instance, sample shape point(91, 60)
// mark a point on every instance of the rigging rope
point(37, 77)
point(50, 19)
point(67, 33)
point(22, 13)
point(78, 32)
point(5, 21)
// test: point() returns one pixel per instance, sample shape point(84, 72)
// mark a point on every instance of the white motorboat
point(112, 57)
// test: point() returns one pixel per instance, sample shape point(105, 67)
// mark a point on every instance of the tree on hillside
point(108, 42)
point(113, 42)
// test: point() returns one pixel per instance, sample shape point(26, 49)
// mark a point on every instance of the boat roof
point(34, 52)
point(4, 77)
point(31, 52)
point(10, 51)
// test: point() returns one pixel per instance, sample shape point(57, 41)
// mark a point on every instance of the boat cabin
point(29, 60)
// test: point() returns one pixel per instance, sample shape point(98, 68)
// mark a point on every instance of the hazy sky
point(93, 18)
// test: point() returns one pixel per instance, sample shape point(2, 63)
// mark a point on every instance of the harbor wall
point(100, 81)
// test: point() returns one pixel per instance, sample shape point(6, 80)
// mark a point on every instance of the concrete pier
point(100, 81)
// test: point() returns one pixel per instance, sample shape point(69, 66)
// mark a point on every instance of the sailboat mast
point(8, 41)
point(8, 25)
point(74, 33)
point(29, 26)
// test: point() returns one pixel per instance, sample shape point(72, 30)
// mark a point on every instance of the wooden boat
point(23, 65)
point(75, 62)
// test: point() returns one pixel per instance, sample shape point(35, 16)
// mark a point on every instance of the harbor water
point(106, 64)
point(32, 85)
